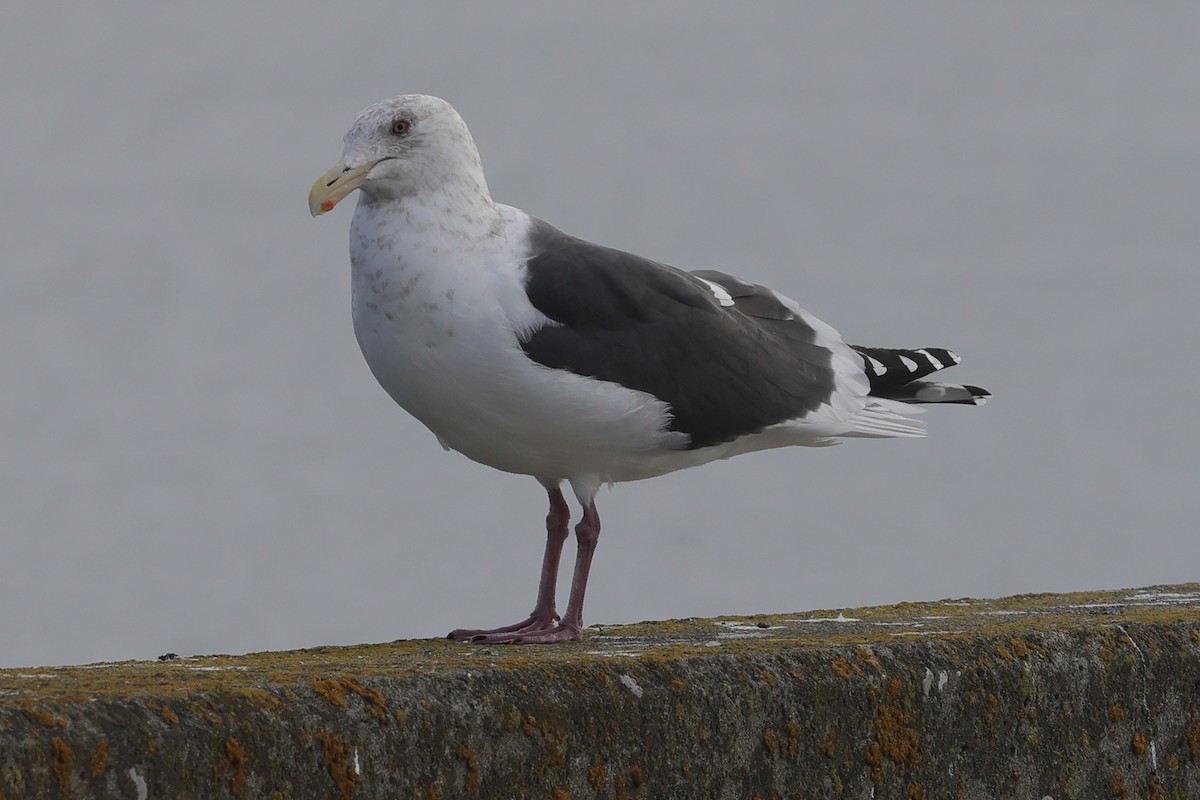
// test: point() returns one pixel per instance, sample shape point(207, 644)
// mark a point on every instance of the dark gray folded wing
point(727, 366)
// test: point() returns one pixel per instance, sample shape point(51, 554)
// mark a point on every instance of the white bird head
point(403, 147)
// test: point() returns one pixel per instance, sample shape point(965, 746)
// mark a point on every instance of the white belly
point(481, 396)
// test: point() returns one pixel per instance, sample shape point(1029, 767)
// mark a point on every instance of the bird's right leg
point(544, 614)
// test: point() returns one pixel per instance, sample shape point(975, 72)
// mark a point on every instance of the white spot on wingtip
point(877, 366)
point(908, 362)
point(723, 297)
point(936, 364)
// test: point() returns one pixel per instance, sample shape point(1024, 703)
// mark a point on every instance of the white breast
point(437, 313)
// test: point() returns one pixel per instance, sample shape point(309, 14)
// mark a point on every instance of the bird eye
point(401, 126)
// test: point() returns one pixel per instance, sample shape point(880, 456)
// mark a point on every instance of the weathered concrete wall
point(1060, 696)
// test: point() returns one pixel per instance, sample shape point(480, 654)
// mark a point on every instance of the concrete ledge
point(1063, 696)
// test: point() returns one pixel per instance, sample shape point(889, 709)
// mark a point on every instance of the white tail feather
point(886, 419)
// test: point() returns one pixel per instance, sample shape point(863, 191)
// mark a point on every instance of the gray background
point(195, 458)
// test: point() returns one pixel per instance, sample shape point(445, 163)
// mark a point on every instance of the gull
point(538, 353)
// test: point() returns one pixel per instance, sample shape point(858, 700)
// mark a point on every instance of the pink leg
point(587, 533)
point(544, 614)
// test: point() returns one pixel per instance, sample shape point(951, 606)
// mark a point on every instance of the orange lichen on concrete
point(874, 759)
point(334, 690)
point(235, 759)
point(827, 746)
point(339, 760)
point(596, 775)
point(1116, 714)
point(61, 761)
point(768, 740)
point(1118, 786)
point(169, 715)
point(1192, 735)
point(866, 656)
point(1138, 743)
point(842, 667)
point(896, 739)
point(559, 794)
point(989, 710)
point(41, 716)
point(99, 759)
point(791, 746)
point(329, 689)
point(468, 755)
point(376, 703)
point(554, 740)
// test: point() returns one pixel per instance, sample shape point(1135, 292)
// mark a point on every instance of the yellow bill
point(335, 184)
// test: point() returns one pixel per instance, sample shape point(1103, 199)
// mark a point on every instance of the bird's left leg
point(544, 615)
point(587, 534)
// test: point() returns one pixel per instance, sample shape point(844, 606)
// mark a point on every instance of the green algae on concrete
point(1081, 695)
